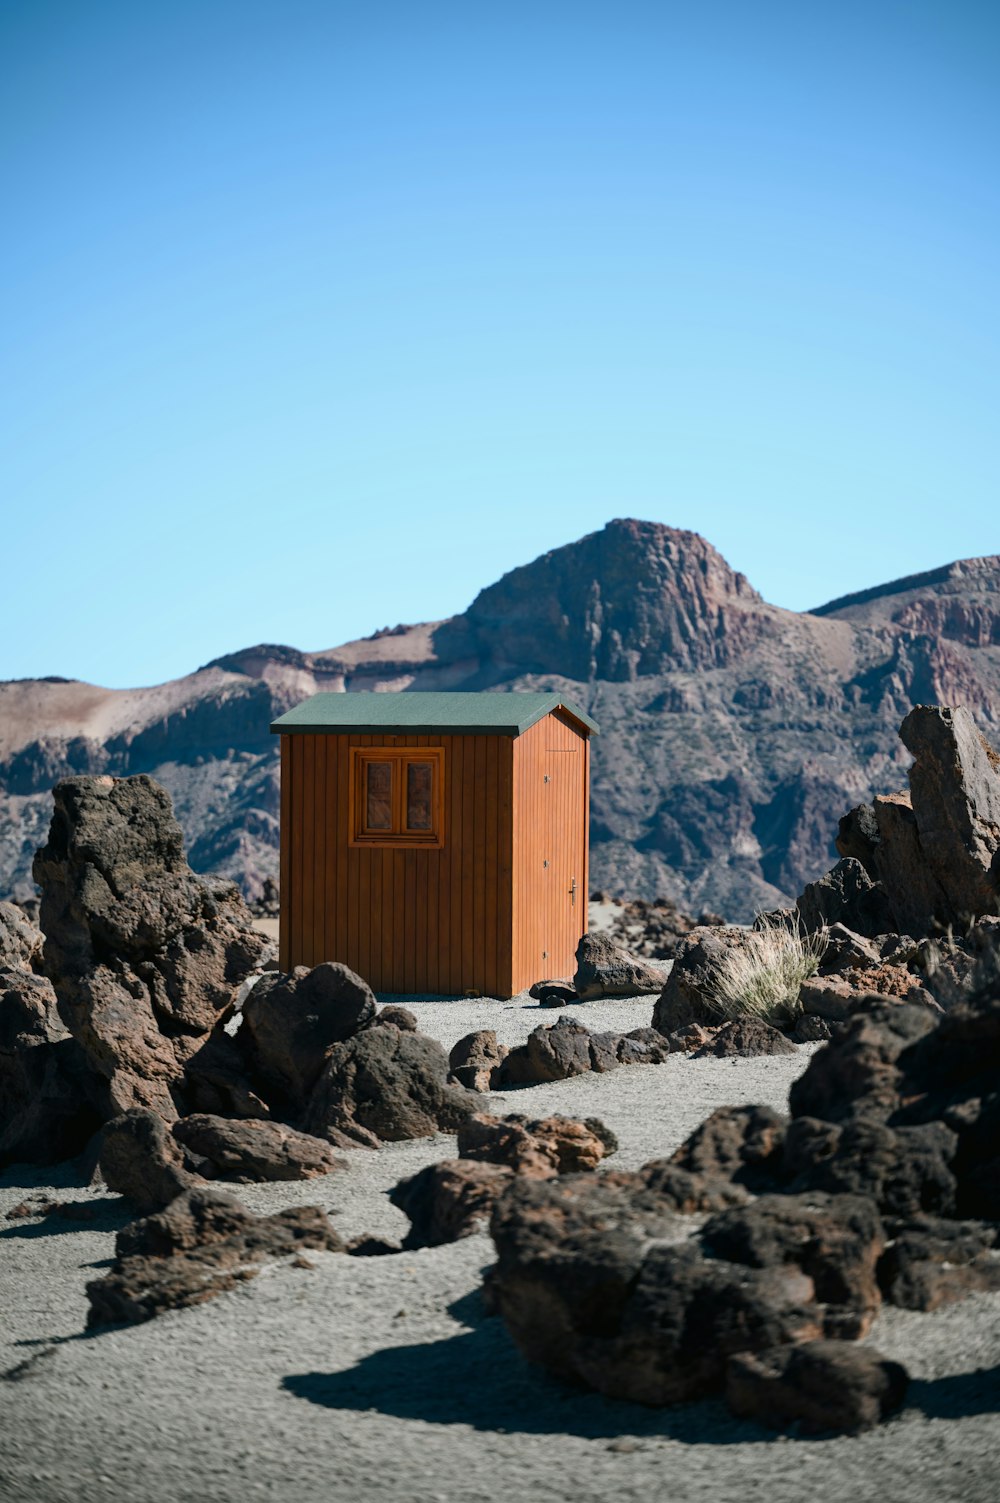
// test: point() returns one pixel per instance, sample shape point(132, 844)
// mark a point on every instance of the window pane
point(378, 796)
point(418, 795)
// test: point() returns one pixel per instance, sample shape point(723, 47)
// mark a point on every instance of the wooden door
point(563, 887)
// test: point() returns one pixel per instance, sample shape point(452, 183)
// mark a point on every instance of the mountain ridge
point(734, 732)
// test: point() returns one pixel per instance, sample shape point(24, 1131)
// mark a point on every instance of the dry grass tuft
point(761, 978)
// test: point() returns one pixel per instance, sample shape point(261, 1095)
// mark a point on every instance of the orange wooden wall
point(473, 916)
point(551, 804)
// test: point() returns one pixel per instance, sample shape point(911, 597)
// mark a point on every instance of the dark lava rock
point(449, 1200)
point(146, 958)
point(203, 1244)
point(539, 1149)
point(604, 969)
point(290, 1023)
point(589, 1287)
point(688, 993)
point(140, 1159)
point(905, 1170)
point(554, 993)
point(399, 1017)
point(250, 1150)
point(836, 1240)
point(820, 1386)
point(856, 1075)
point(931, 1262)
point(20, 942)
point(738, 1143)
point(955, 792)
point(383, 1085)
point(565, 1048)
point(476, 1059)
point(454, 1199)
point(857, 837)
point(48, 1099)
point(846, 895)
point(745, 1037)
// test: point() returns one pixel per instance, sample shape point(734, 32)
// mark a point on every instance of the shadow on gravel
point(957, 1396)
point(477, 1378)
point(108, 1213)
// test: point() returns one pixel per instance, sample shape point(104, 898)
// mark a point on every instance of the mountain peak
point(634, 598)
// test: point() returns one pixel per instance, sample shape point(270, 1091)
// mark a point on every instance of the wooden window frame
point(398, 837)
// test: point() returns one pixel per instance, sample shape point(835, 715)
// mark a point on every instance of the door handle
point(572, 893)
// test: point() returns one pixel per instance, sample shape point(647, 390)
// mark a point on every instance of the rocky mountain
point(734, 733)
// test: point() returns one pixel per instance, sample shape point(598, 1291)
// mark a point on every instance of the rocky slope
point(734, 733)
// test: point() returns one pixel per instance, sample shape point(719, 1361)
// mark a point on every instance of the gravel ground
point(380, 1379)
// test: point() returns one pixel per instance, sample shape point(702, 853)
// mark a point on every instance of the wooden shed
point(435, 842)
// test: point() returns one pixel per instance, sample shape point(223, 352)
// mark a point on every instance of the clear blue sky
point(317, 317)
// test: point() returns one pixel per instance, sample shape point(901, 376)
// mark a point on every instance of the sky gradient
point(319, 317)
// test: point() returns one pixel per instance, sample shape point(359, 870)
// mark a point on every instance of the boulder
point(476, 1059)
point(556, 1052)
point(745, 1037)
point(955, 790)
point(250, 1150)
point(846, 895)
point(835, 1240)
point(932, 1262)
point(49, 1102)
point(554, 993)
point(399, 1017)
point(203, 1244)
point(604, 969)
point(589, 1286)
point(858, 837)
point(20, 942)
point(856, 1074)
point(290, 1023)
point(918, 902)
point(537, 1149)
point(819, 1386)
point(905, 1170)
point(139, 1159)
point(565, 1048)
point(449, 1200)
point(742, 1144)
point(146, 958)
point(688, 993)
point(383, 1085)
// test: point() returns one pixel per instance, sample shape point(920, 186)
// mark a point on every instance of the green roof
point(415, 712)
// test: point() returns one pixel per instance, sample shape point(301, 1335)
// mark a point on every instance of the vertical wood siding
point(417, 920)
point(550, 820)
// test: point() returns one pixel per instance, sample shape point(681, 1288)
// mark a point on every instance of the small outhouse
point(435, 842)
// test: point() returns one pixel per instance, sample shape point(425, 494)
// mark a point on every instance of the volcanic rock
point(589, 1286)
point(856, 1075)
point(203, 1244)
point(835, 1240)
point(476, 1059)
point(48, 1100)
point(846, 895)
point(249, 1150)
point(385, 1084)
point(449, 1200)
point(688, 993)
point(932, 1262)
point(905, 1170)
point(738, 1143)
point(290, 1022)
point(955, 788)
point(746, 1037)
point(604, 969)
point(146, 958)
point(820, 1386)
point(20, 941)
point(566, 1048)
point(537, 1149)
point(139, 1159)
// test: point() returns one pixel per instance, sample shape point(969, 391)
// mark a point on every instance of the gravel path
point(380, 1379)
